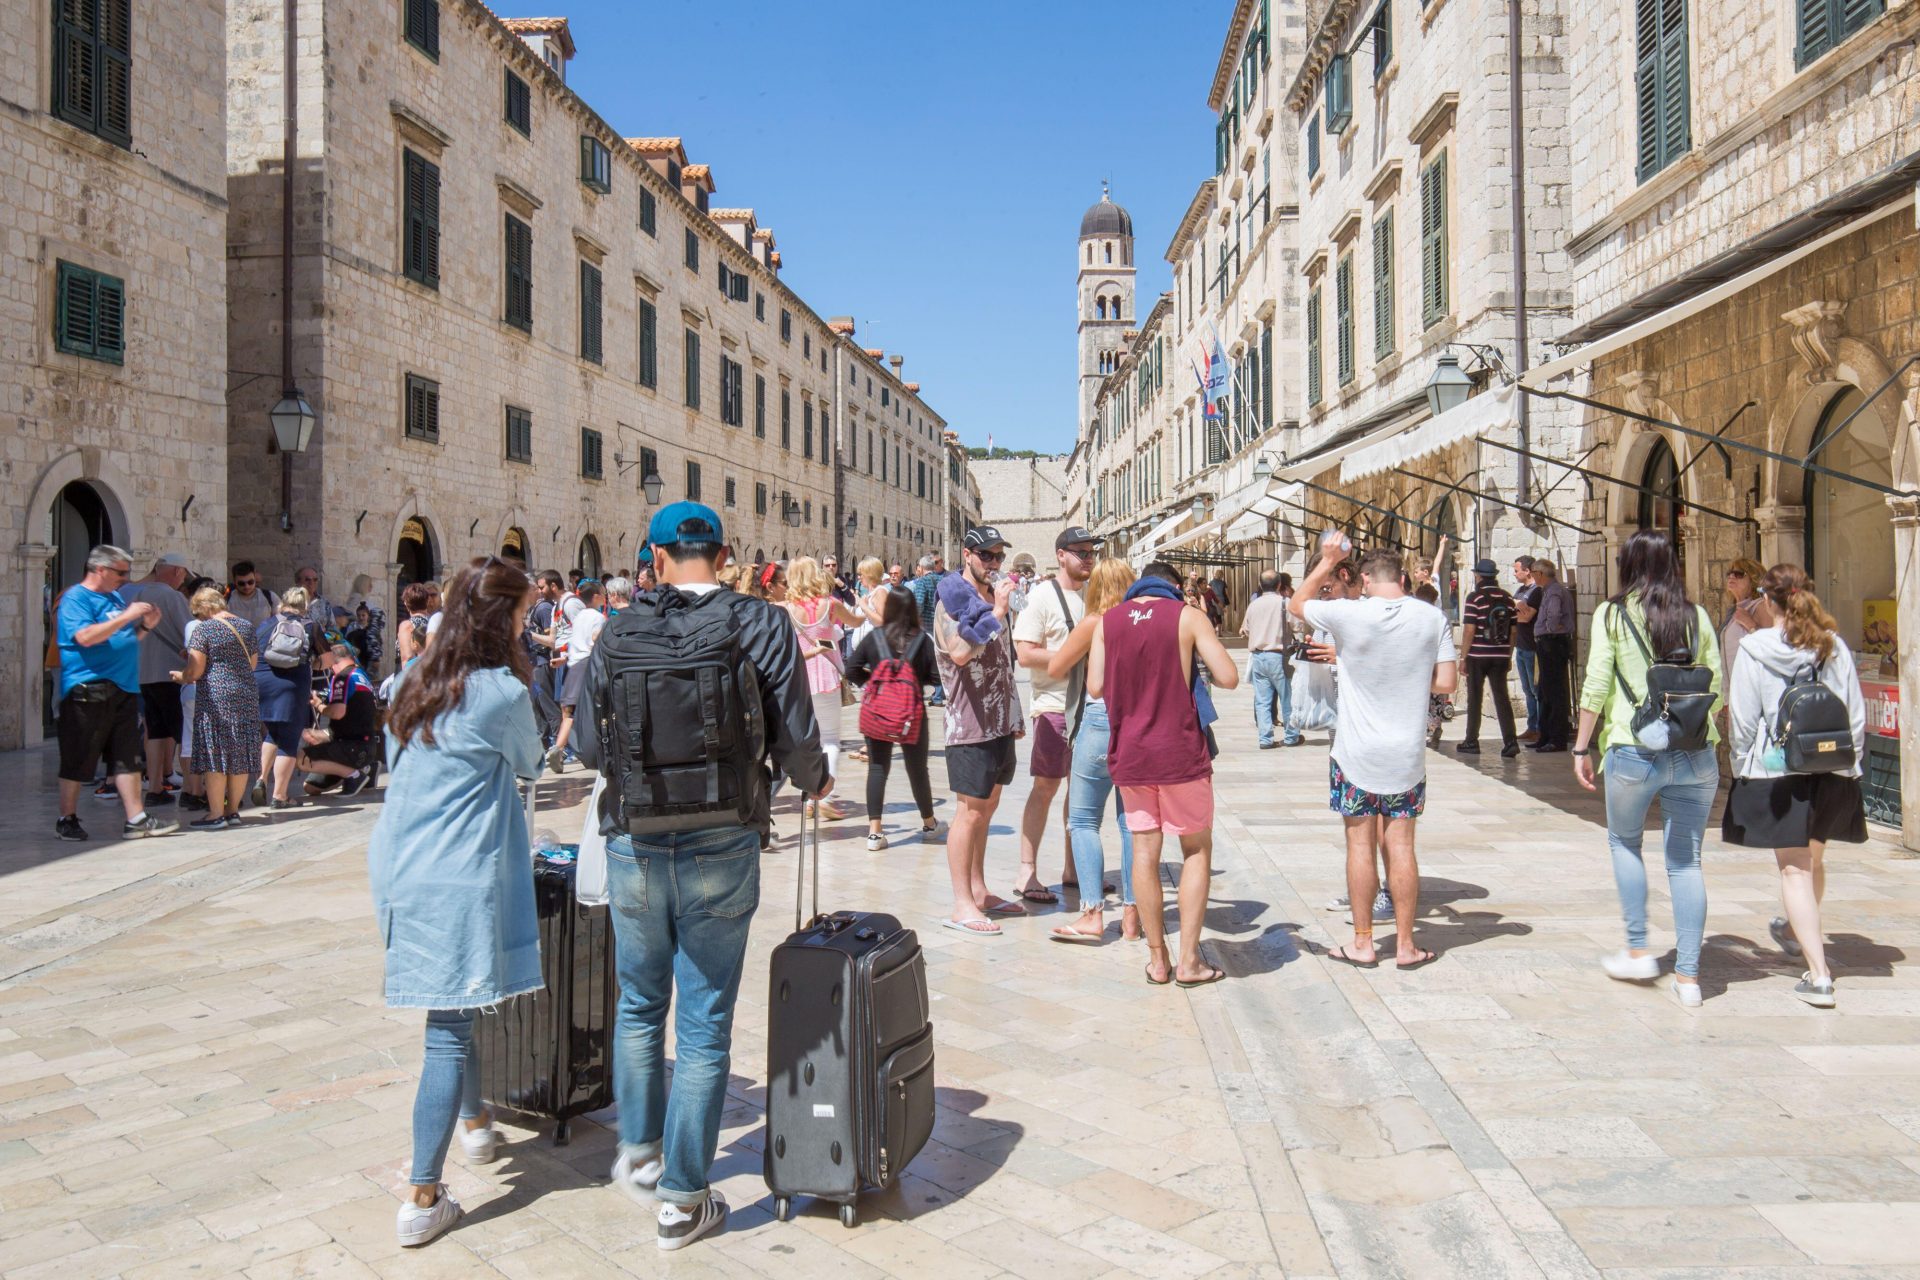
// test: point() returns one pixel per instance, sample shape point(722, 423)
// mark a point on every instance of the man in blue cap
point(672, 687)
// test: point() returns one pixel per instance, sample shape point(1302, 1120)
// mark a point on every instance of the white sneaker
point(876, 841)
point(416, 1226)
point(1624, 966)
point(1340, 903)
point(481, 1145)
point(681, 1227)
point(1687, 993)
point(638, 1181)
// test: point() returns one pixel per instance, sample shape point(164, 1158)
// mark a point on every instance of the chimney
point(842, 325)
point(896, 361)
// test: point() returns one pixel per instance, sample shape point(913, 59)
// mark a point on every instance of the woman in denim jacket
point(451, 864)
point(1652, 602)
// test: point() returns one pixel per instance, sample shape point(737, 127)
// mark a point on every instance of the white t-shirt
point(586, 629)
point(1387, 650)
point(1042, 623)
point(433, 622)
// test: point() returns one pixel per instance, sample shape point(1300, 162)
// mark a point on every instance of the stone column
point(30, 562)
point(1906, 557)
point(1783, 534)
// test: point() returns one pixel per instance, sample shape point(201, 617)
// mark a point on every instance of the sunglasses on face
point(246, 583)
point(991, 557)
point(119, 573)
point(1085, 553)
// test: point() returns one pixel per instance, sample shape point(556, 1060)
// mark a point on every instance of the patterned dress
point(226, 701)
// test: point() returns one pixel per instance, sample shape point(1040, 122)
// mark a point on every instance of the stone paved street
point(197, 1076)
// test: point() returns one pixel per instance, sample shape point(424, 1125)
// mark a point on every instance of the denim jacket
point(450, 860)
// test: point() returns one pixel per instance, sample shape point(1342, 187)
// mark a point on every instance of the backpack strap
point(710, 730)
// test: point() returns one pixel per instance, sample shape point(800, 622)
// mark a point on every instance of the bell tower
point(1105, 295)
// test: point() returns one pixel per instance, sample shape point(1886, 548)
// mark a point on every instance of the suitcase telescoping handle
point(807, 818)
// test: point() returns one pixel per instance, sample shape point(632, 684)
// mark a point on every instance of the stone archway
point(512, 537)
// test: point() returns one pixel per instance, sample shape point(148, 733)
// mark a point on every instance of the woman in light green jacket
point(1651, 615)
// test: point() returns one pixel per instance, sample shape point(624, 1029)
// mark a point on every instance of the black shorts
point(976, 768)
point(100, 721)
point(161, 703)
point(354, 753)
point(575, 685)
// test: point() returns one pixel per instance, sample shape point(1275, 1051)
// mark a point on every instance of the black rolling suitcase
point(550, 1052)
point(849, 1055)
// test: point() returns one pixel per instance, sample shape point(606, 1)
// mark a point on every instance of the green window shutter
point(1343, 310)
point(93, 66)
point(519, 108)
point(1266, 379)
point(1313, 147)
point(1815, 28)
point(786, 421)
point(423, 409)
point(89, 314)
point(1661, 89)
point(1433, 242)
point(423, 220)
point(519, 273)
point(1313, 346)
point(649, 344)
point(519, 435)
point(759, 407)
point(423, 26)
point(649, 215)
point(1855, 14)
point(109, 319)
point(1383, 286)
point(116, 71)
point(590, 347)
point(692, 355)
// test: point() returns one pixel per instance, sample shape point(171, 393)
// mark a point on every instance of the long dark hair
point(1649, 568)
point(479, 628)
point(900, 619)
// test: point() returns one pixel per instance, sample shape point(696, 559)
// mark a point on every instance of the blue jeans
point(1268, 671)
point(1683, 782)
point(449, 1090)
point(682, 902)
point(1527, 662)
point(1088, 788)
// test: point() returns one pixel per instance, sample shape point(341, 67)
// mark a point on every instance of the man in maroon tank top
point(1142, 663)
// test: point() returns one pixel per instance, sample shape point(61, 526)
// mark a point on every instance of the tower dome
point(1106, 219)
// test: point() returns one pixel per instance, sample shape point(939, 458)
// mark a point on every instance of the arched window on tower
point(1109, 251)
point(1089, 255)
point(1126, 253)
point(1100, 307)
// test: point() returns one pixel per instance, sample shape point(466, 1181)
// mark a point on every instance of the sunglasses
point(1085, 553)
point(247, 582)
point(123, 573)
point(991, 557)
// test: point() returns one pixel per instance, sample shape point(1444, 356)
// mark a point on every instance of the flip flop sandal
point(1340, 954)
point(1158, 982)
point(1043, 897)
point(992, 930)
point(1426, 958)
point(1007, 909)
point(1064, 934)
point(1213, 975)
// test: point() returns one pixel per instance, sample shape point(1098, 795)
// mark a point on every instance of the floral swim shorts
point(1350, 801)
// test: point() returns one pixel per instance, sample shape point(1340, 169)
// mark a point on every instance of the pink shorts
point(1177, 808)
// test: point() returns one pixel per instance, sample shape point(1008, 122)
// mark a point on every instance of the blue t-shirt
point(117, 658)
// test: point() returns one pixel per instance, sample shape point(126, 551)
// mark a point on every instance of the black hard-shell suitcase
point(550, 1052)
point(849, 1056)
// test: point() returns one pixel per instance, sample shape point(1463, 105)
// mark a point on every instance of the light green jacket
point(1610, 649)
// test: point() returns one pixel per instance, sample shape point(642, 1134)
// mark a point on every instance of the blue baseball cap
point(646, 554)
point(685, 522)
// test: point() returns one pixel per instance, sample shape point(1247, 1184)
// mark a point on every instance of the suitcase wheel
point(847, 1215)
point(783, 1208)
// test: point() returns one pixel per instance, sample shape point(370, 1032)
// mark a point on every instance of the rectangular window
point(806, 346)
point(693, 482)
point(806, 430)
point(1266, 389)
point(732, 402)
point(423, 26)
point(786, 419)
point(1313, 161)
point(519, 255)
point(869, 451)
point(693, 250)
point(1313, 346)
point(649, 344)
point(759, 407)
point(759, 499)
point(519, 434)
point(825, 433)
point(649, 464)
point(649, 213)
point(90, 314)
point(423, 409)
point(1824, 24)
point(1339, 93)
point(519, 110)
point(1343, 317)
point(692, 350)
point(93, 67)
point(729, 492)
point(590, 458)
point(590, 348)
point(1660, 86)
point(1433, 242)
point(596, 164)
point(1381, 29)
point(760, 306)
point(423, 220)
point(1383, 286)
point(885, 399)
point(786, 325)
point(737, 286)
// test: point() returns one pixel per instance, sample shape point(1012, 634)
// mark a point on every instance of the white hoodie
point(1765, 666)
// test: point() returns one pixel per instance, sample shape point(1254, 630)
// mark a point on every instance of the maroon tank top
point(1149, 694)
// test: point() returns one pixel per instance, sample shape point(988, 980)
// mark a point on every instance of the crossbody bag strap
point(1633, 699)
point(244, 646)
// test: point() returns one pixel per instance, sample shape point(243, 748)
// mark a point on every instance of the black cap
point(1484, 568)
point(1076, 534)
point(983, 537)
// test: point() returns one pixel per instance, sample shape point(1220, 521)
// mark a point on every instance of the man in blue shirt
point(926, 594)
point(99, 716)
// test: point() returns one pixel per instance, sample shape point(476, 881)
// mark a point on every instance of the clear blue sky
point(925, 166)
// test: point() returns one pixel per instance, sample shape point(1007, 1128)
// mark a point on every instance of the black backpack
point(682, 728)
point(1501, 616)
point(1812, 727)
point(1679, 691)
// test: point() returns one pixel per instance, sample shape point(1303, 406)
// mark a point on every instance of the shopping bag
point(590, 876)
point(1314, 694)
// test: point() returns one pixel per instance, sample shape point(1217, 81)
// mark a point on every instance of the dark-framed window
point(786, 419)
point(423, 26)
point(1660, 84)
point(759, 406)
point(649, 213)
point(423, 219)
point(1381, 29)
point(649, 463)
point(1313, 167)
point(519, 255)
point(691, 350)
point(590, 316)
point(1383, 286)
point(519, 108)
point(806, 430)
point(1343, 318)
point(596, 164)
point(1339, 93)
point(727, 489)
point(732, 401)
point(423, 409)
point(591, 460)
point(760, 498)
point(649, 344)
point(89, 314)
point(826, 432)
point(1825, 24)
point(786, 325)
point(93, 67)
point(693, 250)
point(1433, 242)
point(693, 481)
point(519, 434)
point(759, 306)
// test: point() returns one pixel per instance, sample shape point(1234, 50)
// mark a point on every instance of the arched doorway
point(513, 546)
point(1849, 537)
point(589, 557)
point(417, 556)
point(77, 522)
point(1443, 518)
point(1660, 496)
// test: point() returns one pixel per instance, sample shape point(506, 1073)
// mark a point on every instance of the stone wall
point(1024, 498)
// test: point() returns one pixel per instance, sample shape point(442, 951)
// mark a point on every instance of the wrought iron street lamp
point(292, 420)
point(1449, 385)
point(650, 482)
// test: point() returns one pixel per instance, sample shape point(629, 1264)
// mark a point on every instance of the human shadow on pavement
point(967, 1150)
point(1726, 959)
point(1271, 949)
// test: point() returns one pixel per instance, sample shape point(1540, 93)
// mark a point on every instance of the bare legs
point(1033, 833)
point(1196, 880)
point(967, 855)
point(1803, 882)
point(1394, 838)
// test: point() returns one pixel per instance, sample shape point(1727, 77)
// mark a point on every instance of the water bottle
point(1018, 600)
point(1333, 537)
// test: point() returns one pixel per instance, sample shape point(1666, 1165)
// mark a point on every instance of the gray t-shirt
point(160, 648)
point(1387, 650)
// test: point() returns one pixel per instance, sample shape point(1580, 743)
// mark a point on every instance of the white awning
point(1313, 464)
point(1144, 546)
point(1206, 530)
point(1252, 523)
point(1487, 411)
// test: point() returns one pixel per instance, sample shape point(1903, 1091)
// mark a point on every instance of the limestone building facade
point(114, 426)
point(511, 319)
point(1026, 499)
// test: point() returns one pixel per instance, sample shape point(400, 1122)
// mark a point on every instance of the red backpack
point(890, 706)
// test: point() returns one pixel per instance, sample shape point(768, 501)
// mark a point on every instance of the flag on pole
point(1218, 375)
point(1211, 410)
